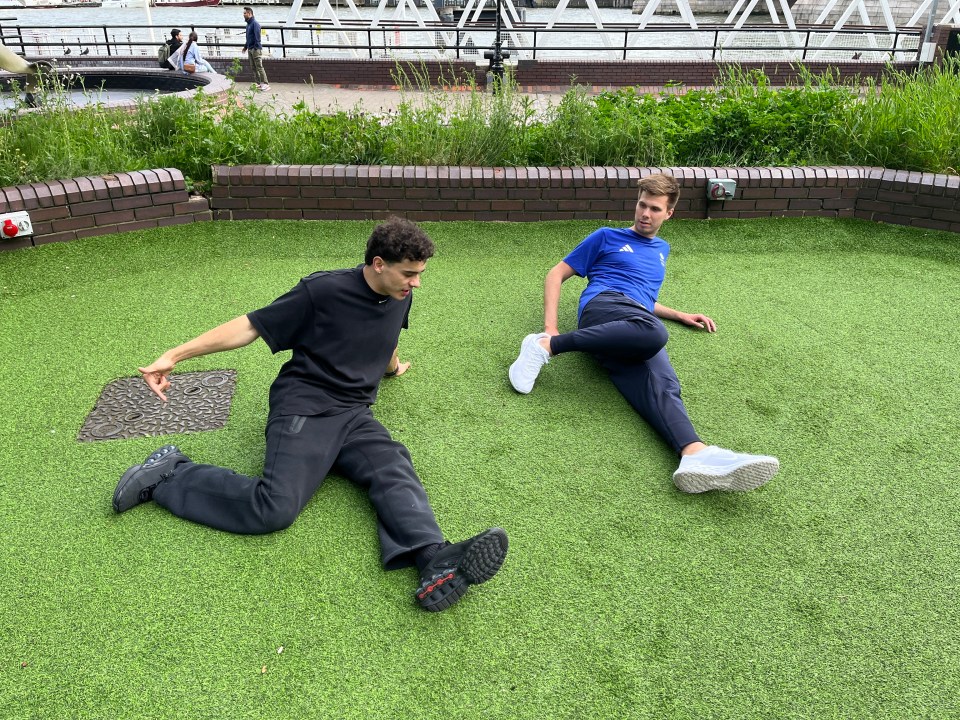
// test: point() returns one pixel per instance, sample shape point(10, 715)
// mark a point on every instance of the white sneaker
point(714, 468)
point(524, 371)
point(263, 87)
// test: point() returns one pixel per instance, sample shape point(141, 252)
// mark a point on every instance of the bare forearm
point(234, 334)
point(551, 301)
point(666, 313)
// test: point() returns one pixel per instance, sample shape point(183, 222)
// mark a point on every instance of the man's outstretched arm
point(559, 274)
point(697, 320)
point(234, 334)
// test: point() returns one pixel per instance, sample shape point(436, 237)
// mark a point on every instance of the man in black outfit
point(343, 327)
point(175, 41)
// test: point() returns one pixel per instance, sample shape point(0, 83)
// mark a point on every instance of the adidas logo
point(626, 248)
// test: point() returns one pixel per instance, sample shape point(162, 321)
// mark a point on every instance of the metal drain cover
point(127, 408)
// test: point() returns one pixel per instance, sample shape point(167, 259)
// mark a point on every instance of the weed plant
point(905, 120)
point(463, 128)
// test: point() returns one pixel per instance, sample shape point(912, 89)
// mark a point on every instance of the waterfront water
point(221, 29)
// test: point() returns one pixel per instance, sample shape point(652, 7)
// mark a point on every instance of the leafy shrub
point(906, 120)
point(909, 121)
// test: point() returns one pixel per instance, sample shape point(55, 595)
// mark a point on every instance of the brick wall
point(62, 210)
point(598, 74)
point(327, 192)
point(82, 207)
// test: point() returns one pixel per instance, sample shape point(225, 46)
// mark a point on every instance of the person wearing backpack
point(169, 48)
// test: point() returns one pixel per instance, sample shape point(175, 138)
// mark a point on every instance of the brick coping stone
point(75, 208)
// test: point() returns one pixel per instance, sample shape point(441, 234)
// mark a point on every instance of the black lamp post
point(497, 55)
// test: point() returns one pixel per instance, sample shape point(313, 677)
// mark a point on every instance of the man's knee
point(277, 516)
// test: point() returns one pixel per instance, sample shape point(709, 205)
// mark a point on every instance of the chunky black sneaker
point(137, 484)
point(455, 567)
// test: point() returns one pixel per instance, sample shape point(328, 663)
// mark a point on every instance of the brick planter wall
point(62, 210)
point(600, 74)
point(327, 192)
point(82, 207)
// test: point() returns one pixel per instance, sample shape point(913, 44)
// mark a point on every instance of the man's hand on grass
point(698, 320)
point(402, 367)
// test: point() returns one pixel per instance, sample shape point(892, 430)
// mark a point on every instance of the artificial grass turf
point(830, 592)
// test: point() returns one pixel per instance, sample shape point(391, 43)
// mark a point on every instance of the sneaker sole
point(129, 477)
point(516, 366)
point(513, 382)
point(479, 563)
point(121, 486)
point(484, 557)
point(743, 479)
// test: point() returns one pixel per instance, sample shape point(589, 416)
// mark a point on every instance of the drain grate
point(126, 408)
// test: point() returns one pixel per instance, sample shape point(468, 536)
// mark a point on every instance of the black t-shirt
point(342, 334)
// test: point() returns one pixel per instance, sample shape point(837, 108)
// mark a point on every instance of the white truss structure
point(649, 12)
point(740, 14)
point(508, 16)
point(557, 15)
point(326, 12)
point(734, 41)
point(950, 17)
point(855, 6)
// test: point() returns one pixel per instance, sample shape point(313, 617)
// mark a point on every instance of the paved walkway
point(326, 98)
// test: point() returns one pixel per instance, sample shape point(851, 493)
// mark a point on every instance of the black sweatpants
point(301, 450)
point(628, 341)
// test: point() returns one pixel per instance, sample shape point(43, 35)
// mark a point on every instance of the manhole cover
point(127, 408)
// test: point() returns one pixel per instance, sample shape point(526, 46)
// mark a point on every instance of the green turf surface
point(829, 593)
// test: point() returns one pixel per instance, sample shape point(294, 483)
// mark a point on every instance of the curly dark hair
point(397, 240)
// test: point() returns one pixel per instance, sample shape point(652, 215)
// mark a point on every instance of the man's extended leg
point(408, 530)
point(653, 390)
point(628, 341)
point(300, 451)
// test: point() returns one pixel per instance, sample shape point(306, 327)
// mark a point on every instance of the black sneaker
point(137, 484)
point(455, 567)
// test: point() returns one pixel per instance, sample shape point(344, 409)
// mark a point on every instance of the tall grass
point(905, 120)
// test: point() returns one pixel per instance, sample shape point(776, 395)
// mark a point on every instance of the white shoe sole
point(517, 366)
point(746, 477)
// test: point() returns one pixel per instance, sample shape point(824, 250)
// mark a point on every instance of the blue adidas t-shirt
point(620, 260)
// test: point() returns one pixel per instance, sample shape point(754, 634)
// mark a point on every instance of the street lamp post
point(497, 55)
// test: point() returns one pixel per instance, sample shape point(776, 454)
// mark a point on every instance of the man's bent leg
point(374, 461)
point(611, 325)
point(408, 529)
point(653, 390)
point(300, 452)
point(614, 326)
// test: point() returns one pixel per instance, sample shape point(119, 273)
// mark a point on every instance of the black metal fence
point(404, 39)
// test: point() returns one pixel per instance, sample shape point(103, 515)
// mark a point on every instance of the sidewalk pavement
point(329, 98)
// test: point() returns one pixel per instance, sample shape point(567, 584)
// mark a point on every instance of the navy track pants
point(628, 341)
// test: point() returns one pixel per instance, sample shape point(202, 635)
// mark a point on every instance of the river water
point(81, 30)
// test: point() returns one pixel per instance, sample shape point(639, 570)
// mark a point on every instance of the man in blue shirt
point(254, 49)
point(620, 324)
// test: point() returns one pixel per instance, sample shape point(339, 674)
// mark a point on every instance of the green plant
point(906, 120)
